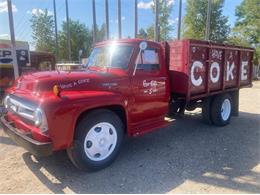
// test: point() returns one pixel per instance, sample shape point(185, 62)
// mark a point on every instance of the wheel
point(97, 140)
point(221, 110)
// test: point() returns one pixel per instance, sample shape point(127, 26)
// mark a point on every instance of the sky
point(82, 10)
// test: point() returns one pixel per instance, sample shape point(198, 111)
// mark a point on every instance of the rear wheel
point(97, 141)
point(221, 110)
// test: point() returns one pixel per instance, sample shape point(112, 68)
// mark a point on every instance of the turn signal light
point(56, 90)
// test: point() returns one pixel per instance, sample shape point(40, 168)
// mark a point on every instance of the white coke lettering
point(214, 78)
point(198, 81)
point(215, 72)
point(230, 69)
point(243, 70)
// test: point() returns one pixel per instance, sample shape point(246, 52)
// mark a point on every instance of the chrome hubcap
point(225, 109)
point(100, 141)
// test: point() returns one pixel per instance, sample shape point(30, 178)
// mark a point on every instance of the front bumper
point(24, 140)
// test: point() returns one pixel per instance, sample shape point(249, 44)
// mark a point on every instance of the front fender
point(63, 116)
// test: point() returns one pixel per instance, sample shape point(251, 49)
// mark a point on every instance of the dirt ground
point(186, 157)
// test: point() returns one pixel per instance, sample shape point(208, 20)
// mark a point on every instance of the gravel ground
point(186, 157)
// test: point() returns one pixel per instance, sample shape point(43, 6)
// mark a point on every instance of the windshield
point(114, 56)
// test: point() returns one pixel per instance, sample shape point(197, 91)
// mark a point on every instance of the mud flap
point(235, 103)
point(206, 109)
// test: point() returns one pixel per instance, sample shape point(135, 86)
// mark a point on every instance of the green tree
point(81, 39)
point(42, 25)
point(101, 33)
point(246, 31)
point(150, 33)
point(142, 34)
point(164, 8)
point(195, 20)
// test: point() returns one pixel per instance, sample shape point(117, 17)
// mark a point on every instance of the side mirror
point(142, 46)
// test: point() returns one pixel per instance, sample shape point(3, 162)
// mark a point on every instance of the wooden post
point(208, 21)
point(94, 21)
point(179, 20)
point(107, 19)
point(56, 30)
point(119, 19)
point(11, 26)
point(68, 31)
point(136, 20)
point(156, 29)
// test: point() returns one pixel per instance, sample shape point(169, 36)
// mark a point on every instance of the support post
point(94, 21)
point(119, 19)
point(68, 31)
point(12, 34)
point(179, 20)
point(136, 19)
point(56, 30)
point(156, 29)
point(208, 21)
point(107, 20)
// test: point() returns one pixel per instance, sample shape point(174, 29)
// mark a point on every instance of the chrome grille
point(21, 108)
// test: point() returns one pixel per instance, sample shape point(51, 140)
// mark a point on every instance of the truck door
point(149, 86)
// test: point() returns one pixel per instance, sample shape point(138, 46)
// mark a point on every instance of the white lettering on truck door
point(214, 78)
point(243, 70)
point(230, 70)
point(198, 81)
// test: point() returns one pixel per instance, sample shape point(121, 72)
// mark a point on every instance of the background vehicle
point(129, 87)
point(42, 61)
point(6, 61)
point(69, 66)
point(28, 61)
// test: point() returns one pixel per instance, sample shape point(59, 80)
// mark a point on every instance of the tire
point(221, 110)
point(97, 140)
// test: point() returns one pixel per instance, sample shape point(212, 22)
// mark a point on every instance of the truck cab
point(124, 90)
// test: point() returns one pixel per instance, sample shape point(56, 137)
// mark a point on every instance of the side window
point(149, 60)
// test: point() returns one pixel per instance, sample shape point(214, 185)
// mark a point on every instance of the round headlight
point(7, 101)
point(38, 117)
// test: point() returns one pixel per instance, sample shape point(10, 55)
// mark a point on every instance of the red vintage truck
point(128, 88)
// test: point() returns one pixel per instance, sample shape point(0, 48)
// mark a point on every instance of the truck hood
point(81, 80)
